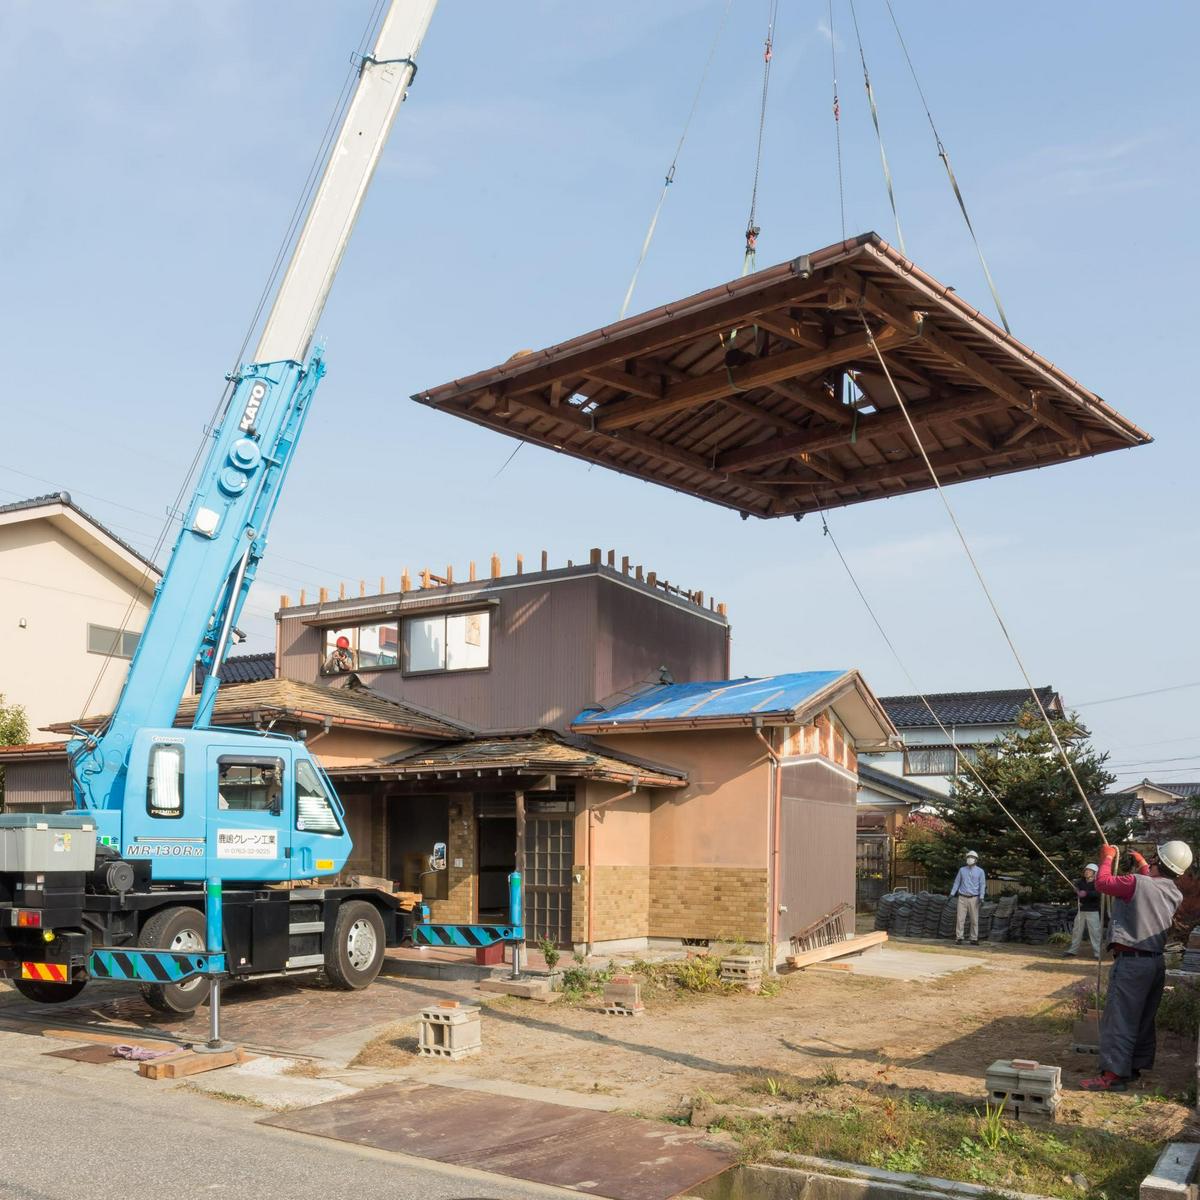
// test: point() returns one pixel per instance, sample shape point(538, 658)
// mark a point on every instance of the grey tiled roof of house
point(64, 498)
point(966, 708)
point(248, 668)
point(918, 793)
point(1180, 789)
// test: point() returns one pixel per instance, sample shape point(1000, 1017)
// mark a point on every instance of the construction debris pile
point(932, 915)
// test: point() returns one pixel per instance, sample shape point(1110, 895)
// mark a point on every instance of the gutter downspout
point(592, 809)
point(776, 814)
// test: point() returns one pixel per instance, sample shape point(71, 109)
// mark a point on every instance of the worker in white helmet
point(1087, 918)
point(969, 886)
point(1144, 908)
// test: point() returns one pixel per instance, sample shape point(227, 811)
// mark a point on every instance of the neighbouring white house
point(73, 602)
point(972, 719)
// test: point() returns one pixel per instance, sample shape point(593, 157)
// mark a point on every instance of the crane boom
point(224, 531)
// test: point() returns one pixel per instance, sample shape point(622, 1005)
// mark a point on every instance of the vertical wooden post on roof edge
point(637, 572)
point(284, 601)
point(595, 556)
point(545, 561)
point(323, 596)
point(362, 587)
point(624, 564)
point(520, 564)
point(612, 558)
point(449, 573)
point(471, 571)
point(495, 566)
point(651, 577)
point(405, 581)
point(342, 590)
point(382, 584)
point(302, 597)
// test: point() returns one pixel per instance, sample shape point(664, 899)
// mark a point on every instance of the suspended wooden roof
point(735, 394)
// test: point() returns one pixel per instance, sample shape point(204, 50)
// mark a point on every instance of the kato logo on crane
point(258, 393)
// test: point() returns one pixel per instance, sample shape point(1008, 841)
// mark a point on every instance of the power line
point(1175, 687)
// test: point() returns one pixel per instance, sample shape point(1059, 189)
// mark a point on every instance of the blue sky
point(155, 149)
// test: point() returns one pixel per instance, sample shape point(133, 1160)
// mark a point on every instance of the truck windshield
point(314, 813)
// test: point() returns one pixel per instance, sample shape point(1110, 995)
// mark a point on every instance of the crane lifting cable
point(837, 122)
point(670, 176)
point(962, 759)
point(912, 429)
point(752, 228)
point(944, 155)
point(887, 173)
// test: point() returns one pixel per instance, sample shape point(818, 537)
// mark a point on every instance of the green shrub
point(549, 952)
point(1180, 1010)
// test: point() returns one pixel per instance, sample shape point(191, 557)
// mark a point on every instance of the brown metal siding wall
point(37, 787)
point(638, 633)
point(817, 847)
point(558, 645)
point(542, 639)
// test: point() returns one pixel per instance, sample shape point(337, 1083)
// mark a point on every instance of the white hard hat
point(1091, 867)
point(972, 854)
point(1175, 856)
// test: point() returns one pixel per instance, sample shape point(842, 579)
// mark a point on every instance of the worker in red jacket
point(1144, 908)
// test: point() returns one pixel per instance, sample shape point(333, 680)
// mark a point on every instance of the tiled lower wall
point(727, 904)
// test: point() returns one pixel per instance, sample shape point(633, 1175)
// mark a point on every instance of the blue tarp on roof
point(719, 698)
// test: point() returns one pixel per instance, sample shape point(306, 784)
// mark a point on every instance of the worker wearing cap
point(1087, 919)
point(341, 660)
point(969, 885)
point(1144, 908)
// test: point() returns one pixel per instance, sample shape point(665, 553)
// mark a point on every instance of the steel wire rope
point(667, 181)
point(959, 755)
point(837, 121)
point(944, 155)
point(752, 230)
point(980, 577)
point(670, 176)
point(226, 395)
point(887, 172)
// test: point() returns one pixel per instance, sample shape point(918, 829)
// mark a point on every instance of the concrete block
point(1029, 1091)
point(450, 1032)
point(1174, 1175)
point(623, 1010)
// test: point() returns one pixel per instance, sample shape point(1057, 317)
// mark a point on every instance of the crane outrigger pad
point(738, 394)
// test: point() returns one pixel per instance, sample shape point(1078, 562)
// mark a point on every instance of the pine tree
point(1025, 770)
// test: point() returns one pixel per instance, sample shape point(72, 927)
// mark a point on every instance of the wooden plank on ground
point(188, 1062)
point(854, 945)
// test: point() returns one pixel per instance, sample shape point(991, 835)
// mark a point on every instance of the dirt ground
point(831, 1031)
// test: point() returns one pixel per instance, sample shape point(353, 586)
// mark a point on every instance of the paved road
point(72, 1130)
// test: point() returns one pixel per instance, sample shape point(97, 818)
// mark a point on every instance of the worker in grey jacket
point(1144, 908)
point(969, 885)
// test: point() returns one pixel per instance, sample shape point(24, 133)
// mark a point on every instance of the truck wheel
point(356, 955)
point(47, 993)
point(179, 929)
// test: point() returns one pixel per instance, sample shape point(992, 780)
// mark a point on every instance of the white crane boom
point(385, 75)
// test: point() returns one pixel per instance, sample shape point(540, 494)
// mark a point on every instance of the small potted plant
point(550, 952)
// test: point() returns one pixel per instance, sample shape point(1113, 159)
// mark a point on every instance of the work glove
point(1108, 853)
point(1139, 861)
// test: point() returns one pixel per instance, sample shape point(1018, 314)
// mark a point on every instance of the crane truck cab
point(238, 806)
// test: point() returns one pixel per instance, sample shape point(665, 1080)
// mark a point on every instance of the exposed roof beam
point(826, 437)
point(815, 399)
point(625, 381)
point(785, 326)
point(737, 309)
point(761, 372)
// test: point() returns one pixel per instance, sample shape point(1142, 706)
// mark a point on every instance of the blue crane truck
point(173, 825)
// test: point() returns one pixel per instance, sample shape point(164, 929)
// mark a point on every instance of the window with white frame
point(447, 642)
point(936, 760)
point(116, 643)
